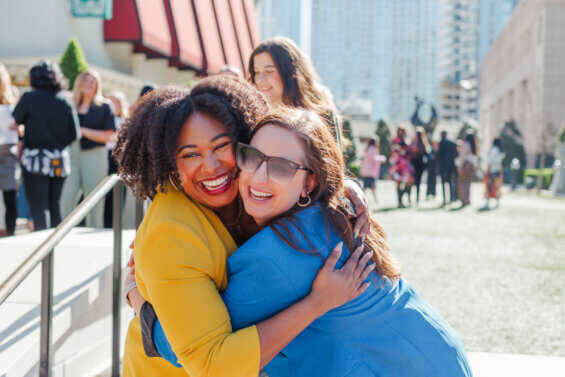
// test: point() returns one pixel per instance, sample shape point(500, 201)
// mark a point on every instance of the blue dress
point(386, 331)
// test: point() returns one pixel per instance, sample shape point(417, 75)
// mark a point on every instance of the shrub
point(73, 61)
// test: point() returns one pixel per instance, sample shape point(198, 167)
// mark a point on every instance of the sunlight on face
point(267, 78)
point(206, 161)
point(264, 199)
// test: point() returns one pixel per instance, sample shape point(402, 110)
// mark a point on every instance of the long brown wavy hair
point(301, 85)
point(324, 160)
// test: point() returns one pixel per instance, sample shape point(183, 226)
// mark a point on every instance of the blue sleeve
point(163, 345)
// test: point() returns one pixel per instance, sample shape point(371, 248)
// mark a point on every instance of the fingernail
point(363, 238)
point(372, 266)
point(356, 234)
point(340, 244)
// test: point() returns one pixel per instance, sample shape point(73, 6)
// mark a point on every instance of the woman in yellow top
point(178, 149)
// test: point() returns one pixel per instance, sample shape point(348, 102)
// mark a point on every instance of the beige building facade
point(523, 77)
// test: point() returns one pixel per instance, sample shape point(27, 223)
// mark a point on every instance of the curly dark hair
point(145, 150)
point(47, 75)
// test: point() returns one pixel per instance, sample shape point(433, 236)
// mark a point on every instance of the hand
point(356, 195)
point(333, 288)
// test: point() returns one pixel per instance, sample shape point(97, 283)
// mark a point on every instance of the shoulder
point(267, 247)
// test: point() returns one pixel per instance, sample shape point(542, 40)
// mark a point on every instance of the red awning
point(252, 22)
point(143, 22)
point(227, 32)
point(242, 30)
point(186, 48)
point(210, 36)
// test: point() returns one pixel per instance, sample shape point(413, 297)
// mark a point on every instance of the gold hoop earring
point(304, 204)
point(173, 183)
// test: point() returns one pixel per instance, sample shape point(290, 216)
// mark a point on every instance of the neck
point(229, 213)
point(86, 99)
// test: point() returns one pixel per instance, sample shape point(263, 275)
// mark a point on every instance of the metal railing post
point(139, 207)
point(117, 277)
point(46, 324)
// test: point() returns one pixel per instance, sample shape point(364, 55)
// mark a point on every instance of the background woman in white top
point(493, 177)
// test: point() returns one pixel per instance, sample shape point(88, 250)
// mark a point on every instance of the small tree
point(464, 130)
point(350, 151)
point(561, 134)
point(73, 61)
point(383, 133)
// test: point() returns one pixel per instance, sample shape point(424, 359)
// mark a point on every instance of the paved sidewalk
point(497, 276)
point(502, 365)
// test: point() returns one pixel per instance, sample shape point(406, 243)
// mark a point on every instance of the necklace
point(238, 215)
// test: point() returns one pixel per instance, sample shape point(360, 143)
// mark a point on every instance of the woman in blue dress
point(290, 182)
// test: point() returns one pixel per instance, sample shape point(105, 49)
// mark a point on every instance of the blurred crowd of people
point(456, 163)
point(55, 146)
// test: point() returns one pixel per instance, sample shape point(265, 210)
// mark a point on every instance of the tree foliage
point(350, 151)
point(73, 62)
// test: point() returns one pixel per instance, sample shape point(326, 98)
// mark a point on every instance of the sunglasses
point(279, 170)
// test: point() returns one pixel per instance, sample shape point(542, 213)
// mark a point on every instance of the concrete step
point(82, 304)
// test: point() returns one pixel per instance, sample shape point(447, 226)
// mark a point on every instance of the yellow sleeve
point(177, 267)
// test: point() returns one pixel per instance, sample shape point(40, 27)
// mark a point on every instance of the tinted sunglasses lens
point(280, 171)
point(248, 159)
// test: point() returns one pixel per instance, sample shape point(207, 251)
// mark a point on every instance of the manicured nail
point(363, 238)
point(340, 245)
point(356, 234)
point(372, 266)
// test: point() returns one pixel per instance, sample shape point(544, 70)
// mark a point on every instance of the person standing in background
point(432, 170)
point(8, 150)
point(286, 76)
point(466, 173)
point(89, 157)
point(446, 154)
point(401, 171)
point(121, 113)
point(51, 124)
point(493, 176)
point(418, 152)
point(371, 166)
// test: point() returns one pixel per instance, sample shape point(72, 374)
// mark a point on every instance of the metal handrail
point(44, 254)
point(76, 216)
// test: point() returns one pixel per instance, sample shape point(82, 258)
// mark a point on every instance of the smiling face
point(88, 86)
point(267, 78)
point(206, 161)
point(263, 198)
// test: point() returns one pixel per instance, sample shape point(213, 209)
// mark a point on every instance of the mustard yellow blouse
point(181, 250)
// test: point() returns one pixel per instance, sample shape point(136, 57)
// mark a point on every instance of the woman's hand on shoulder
point(334, 287)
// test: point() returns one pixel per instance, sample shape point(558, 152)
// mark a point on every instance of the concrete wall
point(523, 79)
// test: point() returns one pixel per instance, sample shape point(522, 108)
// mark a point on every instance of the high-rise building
point(468, 29)
point(288, 18)
point(381, 50)
point(493, 15)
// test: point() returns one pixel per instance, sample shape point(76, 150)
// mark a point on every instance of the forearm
point(99, 136)
point(278, 331)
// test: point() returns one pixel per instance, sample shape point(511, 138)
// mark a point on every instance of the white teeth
point(260, 194)
point(216, 183)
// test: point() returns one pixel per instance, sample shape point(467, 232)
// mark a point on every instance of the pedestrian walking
point(493, 177)
point(418, 153)
point(446, 155)
point(89, 156)
point(371, 166)
point(51, 124)
point(401, 170)
point(466, 173)
point(432, 170)
point(8, 150)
